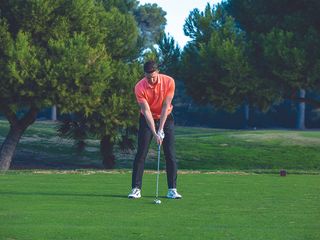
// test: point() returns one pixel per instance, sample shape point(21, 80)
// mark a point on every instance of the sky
point(177, 12)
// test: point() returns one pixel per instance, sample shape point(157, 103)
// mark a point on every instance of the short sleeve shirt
point(154, 95)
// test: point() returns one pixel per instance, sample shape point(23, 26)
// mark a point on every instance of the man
point(154, 94)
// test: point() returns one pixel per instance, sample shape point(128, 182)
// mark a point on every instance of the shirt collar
point(152, 86)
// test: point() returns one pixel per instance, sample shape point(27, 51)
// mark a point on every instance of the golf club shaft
point(158, 172)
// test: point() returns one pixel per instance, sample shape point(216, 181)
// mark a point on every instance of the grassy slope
point(262, 149)
point(79, 206)
point(197, 148)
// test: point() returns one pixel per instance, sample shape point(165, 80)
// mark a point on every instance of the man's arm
point(165, 106)
point(145, 109)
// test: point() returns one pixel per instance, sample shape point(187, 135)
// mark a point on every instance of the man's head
point(151, 71)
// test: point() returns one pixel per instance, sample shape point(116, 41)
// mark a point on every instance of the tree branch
point(9, 114)
point(313, 102)
point(30, 117)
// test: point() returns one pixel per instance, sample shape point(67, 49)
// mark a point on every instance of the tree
point(151, 20)
point(169, 55)
point(149, 17)
point(122, 35)
point(124, 6)
point(59, 53)
point(216, 65)
point(114, 119)
point(286, 44)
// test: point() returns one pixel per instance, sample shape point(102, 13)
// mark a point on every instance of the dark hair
point(150, 66)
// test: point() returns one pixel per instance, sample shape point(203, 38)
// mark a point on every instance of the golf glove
point(161, 134)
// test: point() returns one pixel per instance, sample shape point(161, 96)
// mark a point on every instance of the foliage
point(122, 35)
point(116, 111)
point(286, 40)
point(49, 57)
point(77, 55)
point(167, 54)
point(215, 64)
point(114, 117)
point(125, 6)
point(152, 21)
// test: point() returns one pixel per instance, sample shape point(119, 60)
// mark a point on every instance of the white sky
point(177, 12)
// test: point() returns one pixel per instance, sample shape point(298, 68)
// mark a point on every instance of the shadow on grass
point(75, 195)
point(63, 194)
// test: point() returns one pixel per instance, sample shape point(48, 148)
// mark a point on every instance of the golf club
point(157, 201)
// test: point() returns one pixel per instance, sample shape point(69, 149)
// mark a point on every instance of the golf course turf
point(94, 205)
point(223, 196)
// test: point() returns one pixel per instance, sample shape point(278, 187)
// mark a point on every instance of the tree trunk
point(301, 108)
point(246, 114)
point(106, 149)
point(248, 111)
point(54, 113)
point(17, 128)
point(9, 146)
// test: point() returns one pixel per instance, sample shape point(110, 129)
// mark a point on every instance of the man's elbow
point(166, 104)
point(145, 111)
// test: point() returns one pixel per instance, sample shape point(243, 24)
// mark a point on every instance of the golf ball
point(157, 201)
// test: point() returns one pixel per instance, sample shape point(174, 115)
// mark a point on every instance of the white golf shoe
point(173, 194)
point(135, 193)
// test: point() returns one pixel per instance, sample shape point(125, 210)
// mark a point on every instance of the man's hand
point(161, 134)
point(158, 139)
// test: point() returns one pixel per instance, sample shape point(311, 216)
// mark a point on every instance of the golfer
point(154, 94)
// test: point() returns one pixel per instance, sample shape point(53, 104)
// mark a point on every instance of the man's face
point(152, 77)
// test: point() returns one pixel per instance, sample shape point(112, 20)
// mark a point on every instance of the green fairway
point(91, 205)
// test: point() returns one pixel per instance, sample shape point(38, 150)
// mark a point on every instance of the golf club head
point(157, 201)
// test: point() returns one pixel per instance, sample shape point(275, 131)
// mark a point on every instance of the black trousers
point(144, 139)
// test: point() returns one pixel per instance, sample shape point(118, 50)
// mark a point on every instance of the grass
point(40, 147)
point(197, 148)
point(262, 149)
point(93, 205)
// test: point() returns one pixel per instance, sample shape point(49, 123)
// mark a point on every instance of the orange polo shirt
point(154, 95)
